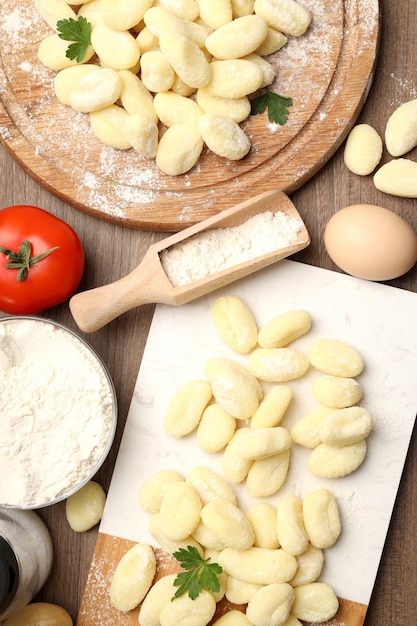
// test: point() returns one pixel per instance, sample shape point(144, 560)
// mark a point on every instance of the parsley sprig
point(199, 574)
point(79, 33)
point(22, 260)
point(277, 106)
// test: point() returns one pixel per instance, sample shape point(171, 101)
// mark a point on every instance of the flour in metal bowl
point(58, 412)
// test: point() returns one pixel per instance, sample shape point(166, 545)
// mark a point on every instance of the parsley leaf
point(199, 574)
point(79, 32)
point(277, 106)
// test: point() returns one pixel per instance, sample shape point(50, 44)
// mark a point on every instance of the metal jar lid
point(9, 574)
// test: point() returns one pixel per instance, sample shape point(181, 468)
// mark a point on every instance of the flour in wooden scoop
point(218, 249)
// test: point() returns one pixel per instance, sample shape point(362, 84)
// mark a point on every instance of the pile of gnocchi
point(170, 77)
point(231, 414)
point(271, 554)
point(364, 149)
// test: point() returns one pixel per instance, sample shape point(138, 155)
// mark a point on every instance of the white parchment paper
point(378, 320)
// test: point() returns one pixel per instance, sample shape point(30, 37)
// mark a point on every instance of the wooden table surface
point(112, 251)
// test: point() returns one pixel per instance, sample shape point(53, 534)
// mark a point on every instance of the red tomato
point(41, 260)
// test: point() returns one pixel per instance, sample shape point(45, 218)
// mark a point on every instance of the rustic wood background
point(113, 250)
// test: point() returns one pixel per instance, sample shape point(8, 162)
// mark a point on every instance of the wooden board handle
point(146, 284)
point(95, 308)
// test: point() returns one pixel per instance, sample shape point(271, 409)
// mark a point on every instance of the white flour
point(55, 410)
point(221, 248)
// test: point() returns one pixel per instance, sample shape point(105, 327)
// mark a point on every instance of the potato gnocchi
point(337, 461)
point(401, 129)
point(211, 53)
point(345, 426)
point(335, 357)
point(278, 365)
point(235, 323)
point(273, 553)
point(363, 150)
point(189, 612)
point(315, 602)
point(272, 407)
point(180, 511)
point(310, 564)
point(228, 523)
point(158, 596)
point(233, 386)
point(266, 476)
point(284, 329)
point(85, 507)
point(261, 443)
point(271, 604)
point(244, 422)
point(210, 486)
point(292, 535)
point(398, 178)
point(263, 519)
point(338, 392)
point(235, 467)
point(133, 577)
point(259, 565)
point(186, 408)
point(238, 591)
point(306, 431)
point(364, 147)
point(321, 518)
point(152, 490)
point(215, 429)
point(265, 549)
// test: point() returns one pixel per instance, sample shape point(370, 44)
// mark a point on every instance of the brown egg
point(371, 242)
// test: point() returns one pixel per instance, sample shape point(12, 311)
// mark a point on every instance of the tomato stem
point(21, 260)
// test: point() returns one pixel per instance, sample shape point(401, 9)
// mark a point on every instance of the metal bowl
point(58, 412)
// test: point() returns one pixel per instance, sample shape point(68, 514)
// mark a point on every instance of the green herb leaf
point(277, 106)
point(79, 32)
point(199, 574)
point(22, 259)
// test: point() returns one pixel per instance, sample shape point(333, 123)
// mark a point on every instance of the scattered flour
point(218, 249)
point(16, 23)
point(26, 66)
point(407, 87)
point(56, 408)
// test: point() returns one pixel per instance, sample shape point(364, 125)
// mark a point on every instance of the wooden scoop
point(148, 282)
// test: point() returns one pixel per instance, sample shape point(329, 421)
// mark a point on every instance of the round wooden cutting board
point(327, 72)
